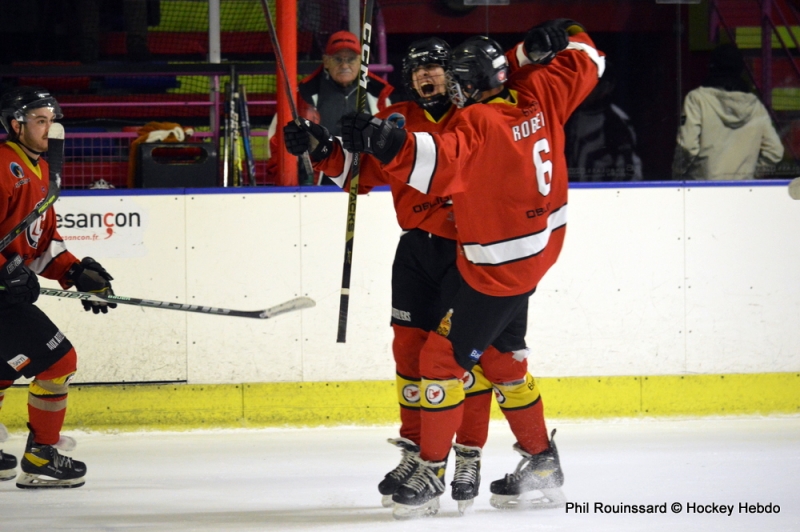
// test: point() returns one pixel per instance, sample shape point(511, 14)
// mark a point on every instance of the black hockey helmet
point(429, 51)
point(16, 103)
point(476, 65)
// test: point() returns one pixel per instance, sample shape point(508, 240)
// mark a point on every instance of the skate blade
point(29, 481)
point(386, 501)
point(532, 500)
point(403, 511)
point(8, 474)
point(464, 505)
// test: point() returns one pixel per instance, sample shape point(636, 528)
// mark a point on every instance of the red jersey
point(414, 209)
point(503, 163)
point(23, 186)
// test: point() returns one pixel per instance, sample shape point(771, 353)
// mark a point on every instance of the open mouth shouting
point(427, 88)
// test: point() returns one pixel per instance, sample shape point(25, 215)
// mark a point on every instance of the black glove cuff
point(392, 140)
point(323, 148)
point(73, 274)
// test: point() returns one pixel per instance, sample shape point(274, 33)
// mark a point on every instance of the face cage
point(425, 101)
point(457, 95)
point(45, 103)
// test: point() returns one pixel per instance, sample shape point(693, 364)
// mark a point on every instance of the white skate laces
point(425, 476)
point(407, 461)
point(468, 460)
point(60, 461)
point(467, 477)
point(397, 476)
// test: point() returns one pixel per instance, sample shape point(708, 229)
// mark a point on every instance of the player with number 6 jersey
point(501, 159)
point(506, 161)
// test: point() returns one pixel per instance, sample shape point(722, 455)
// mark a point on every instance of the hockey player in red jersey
point(501, 159)
point(423, 268)
point(32, 346)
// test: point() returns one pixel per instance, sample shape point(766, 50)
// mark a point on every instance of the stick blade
point(56, 131)
point(298, 303)
point(794, 188)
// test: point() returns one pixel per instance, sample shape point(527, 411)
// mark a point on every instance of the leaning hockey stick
point(361, 104)
point(236, 155)
point(276, 47)
point(226, 143)
point(244, 118)
point(55, 160)
point(298, 303)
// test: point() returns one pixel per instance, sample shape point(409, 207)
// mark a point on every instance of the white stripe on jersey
point(424, 163)
point(522, 57)
point(518, 248)
point(56, 248)
point(596, 58)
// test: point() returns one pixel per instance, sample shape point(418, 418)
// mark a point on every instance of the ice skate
point(8, 466)
point(8, 463)
point(400, 474)
point(419, 497)
point(536, 483)
point(467, 478)
point(43, 467)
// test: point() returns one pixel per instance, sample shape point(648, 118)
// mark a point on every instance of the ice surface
point(325, 479)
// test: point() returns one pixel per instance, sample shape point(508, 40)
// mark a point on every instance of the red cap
point(342, 40)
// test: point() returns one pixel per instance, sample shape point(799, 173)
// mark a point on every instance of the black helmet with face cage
point(476, 65)
point(429, 51)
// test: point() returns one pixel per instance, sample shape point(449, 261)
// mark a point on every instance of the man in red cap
point(330, 91)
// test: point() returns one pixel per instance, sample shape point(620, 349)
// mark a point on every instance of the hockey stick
point(226, 148)
point(244, 116)
point(298, 303)
point(233, 112)
point(361, 104)
point(276, 47)
point(55, 160)
point(794, 188)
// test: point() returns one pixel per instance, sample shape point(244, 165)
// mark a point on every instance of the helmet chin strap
point(19, 141)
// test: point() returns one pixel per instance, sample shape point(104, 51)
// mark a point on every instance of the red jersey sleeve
point(439, 164)
point(23, 186)
point(566, 81)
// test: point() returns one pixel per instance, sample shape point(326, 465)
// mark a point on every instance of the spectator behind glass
point(726, 132)
point(330, 91)
point(601, 141)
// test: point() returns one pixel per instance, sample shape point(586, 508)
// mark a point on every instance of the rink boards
point(661, 293)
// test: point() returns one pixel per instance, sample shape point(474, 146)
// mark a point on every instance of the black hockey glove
point(20, 284)
point(90, 276)
point(544, 41)
point(307, 137)
point(363, 132)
